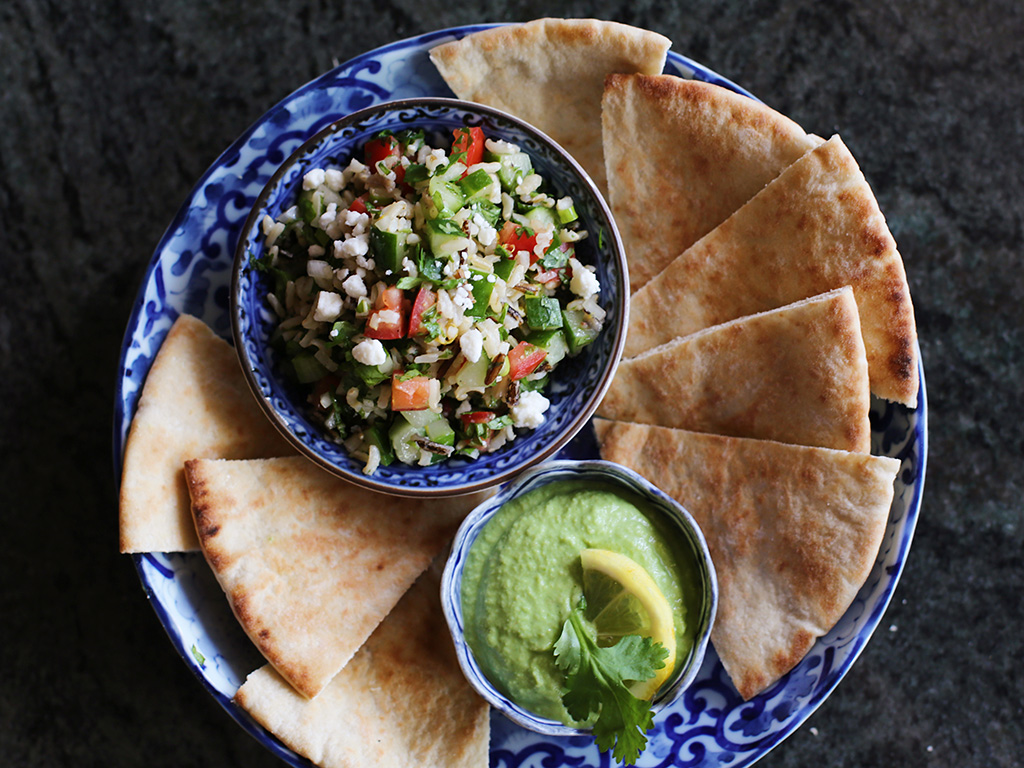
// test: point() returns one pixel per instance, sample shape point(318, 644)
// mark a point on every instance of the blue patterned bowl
point(576, 387)
point(598, 472)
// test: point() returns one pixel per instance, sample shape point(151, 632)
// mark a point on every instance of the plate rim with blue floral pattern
point(189, 272)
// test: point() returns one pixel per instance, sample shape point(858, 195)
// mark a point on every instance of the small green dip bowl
point(462, 578)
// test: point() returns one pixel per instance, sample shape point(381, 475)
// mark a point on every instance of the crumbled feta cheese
point(315, 250)
point(358, 220)
point(334, 179)
point(354, 286)
point(584, 283)
point(463, 297)
point(313, 179)
point(528, 412)
point(472, 344)
point(327, 307)
point(486, 234)
point(329, 216)
point(352, 247)
point(369, 352)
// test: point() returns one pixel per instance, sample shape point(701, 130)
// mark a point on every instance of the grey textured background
point(111, 111)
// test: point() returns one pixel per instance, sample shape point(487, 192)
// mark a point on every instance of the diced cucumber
point(541, 218)
point(543, 313)
point(446, 196)
point(513, 168)
point(553, 342)
point(388, 249)
point(441, 432)
point(421, 418)
point(466, 376)
point(578, 330)
point(444, 236)
point(476, 185)
point(403, 440)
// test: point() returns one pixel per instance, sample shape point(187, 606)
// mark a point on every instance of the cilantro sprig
point(596, 682)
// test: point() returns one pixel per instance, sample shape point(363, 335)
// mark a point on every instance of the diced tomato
point(381, 149)
point(524, 360)
point(476, 417)
point(358, 205)
point(471, 141)
point(518, 238)
point(387, 319)
point(413, 394)
point(425, 299)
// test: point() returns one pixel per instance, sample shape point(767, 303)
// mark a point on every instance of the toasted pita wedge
point(195, 403)
point(795, 374)
point(402, 701)
point(681, 156)
point(793, 533)
point(311, 564)
point(815, 228)
point(550, 73)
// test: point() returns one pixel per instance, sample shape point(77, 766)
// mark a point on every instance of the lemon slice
point(622, 599)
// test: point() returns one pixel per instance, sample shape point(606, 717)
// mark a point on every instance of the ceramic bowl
point(597, 472)
point(577, 384)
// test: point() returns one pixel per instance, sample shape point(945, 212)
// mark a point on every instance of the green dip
point(523, 576)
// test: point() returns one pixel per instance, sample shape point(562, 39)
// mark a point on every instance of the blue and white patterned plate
point(190, 272)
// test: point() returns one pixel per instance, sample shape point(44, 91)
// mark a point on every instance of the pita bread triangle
point(795, 374)
point(195, 403)
point(793, 532)
point(681, 156)
point(401, 701)
point(550, 73)
point(815, 228)
point(311, 564)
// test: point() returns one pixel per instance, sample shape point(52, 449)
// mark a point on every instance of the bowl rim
point(529, 480)
point(614, 248)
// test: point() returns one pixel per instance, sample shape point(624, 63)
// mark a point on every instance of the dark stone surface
point(110, 112)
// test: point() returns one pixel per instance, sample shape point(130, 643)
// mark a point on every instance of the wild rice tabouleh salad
point(425, 297)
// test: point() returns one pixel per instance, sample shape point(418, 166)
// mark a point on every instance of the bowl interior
point(597, 471)
point(576, 386)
